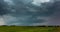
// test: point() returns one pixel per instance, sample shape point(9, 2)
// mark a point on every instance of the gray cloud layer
point(24, 12)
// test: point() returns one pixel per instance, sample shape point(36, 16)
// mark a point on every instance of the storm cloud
point(30, 12)
point(3, 9)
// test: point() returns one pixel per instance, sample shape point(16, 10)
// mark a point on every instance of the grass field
point(27, 29)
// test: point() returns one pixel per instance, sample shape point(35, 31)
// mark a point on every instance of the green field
point(26, 29)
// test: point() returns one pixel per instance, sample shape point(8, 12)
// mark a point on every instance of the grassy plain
point(27, 29)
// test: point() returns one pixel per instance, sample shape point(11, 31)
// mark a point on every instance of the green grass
point(26, 29)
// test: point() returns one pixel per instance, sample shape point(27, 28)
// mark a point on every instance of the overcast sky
point(29, 12)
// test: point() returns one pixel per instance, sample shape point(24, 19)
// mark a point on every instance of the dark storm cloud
point(5, 13)
point(45, 10)
point(55, 18)
point(6, 8)
point(23, 12)
point(3, 8)
point(31, 9)
point(27, 13)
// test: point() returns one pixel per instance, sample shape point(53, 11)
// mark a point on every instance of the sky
point(29, 12)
